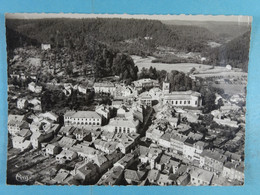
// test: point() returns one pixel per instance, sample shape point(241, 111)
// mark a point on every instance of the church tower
point(166, 86)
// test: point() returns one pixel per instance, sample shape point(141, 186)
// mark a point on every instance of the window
point(128, 131)
point(196, 102)
point(184, 102)
point(176, 102)
point(90, 123)
point(180, 102)
point(188, 102)
point(94, 123)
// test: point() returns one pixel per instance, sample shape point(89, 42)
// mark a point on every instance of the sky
point(230, 18)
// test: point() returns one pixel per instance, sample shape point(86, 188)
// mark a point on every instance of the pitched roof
point(82, 114)
point(134, 175)
point(201, 174)
point(123, 122)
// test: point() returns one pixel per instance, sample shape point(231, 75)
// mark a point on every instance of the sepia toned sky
point(223, 18)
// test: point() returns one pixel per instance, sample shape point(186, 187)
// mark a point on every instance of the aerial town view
point(126, 100)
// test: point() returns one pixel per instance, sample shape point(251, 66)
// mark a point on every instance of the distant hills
point(136, 36)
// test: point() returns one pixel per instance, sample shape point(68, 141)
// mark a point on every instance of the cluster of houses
point(108, 138)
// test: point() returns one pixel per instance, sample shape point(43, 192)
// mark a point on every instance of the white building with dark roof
point(82, 119)
point(183, 99)
point(104, 87)
point(122, 125)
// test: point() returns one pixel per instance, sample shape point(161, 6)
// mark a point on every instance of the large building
point(183, 99)
point(82, 119)
point(105, 87)
point(122, 125)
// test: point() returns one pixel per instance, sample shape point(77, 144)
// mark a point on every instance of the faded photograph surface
point(126, 99)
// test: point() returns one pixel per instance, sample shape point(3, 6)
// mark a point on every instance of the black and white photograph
point(107, 99)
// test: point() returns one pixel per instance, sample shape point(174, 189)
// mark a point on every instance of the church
point(180, 98)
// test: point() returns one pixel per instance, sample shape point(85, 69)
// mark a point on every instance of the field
point(183, 67)
point(232, 89)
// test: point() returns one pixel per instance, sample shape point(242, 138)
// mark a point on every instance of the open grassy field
point(183, 67)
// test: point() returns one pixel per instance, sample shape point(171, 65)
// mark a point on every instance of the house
point(165, 140)
point(52, 149)
point(83, 88)
point(84, 150)
point(34, 88)
point(16, 123)
point(177, 142)
point(66, 142)
point(66, 155)
point(86, 173)
point(126, 161)
point(107, 147)
point(61, 176)
point(163, 180)
point(219, 181)
point(192, 149)
point(154, 135)
point(45, 46)
point(82, 134)
point(167, 165)
point(50, 116)
point(22, 103)
point(133, 177)
point(183, 180)
point(104, 87)
point(87, 119)
point(123, 92)
point(67, 130)
point(126, 145)
point(234, 171)
point(200, 177)
point(153, 176)
point(101, 161)
point(37, 105)
point(104, 112)
point(146, 99)
point(153, 156)
point(143, 83)
point(20, 143)
point(122, 125)
point(112, 177)
point(165, 159)
point(227, 122)
point(38, 137)
point(212, 161)
point(117, 103)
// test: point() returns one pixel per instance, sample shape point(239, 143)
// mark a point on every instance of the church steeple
point(166, 85)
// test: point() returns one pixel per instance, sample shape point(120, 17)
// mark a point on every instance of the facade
point(82, 119)
point(200, 177)
point(122, 125)
point(212, 161)
point(105, 87)
point(22, 103)
point(177, 141)
point(234, 171)
point(16, 124)
point(183, 99)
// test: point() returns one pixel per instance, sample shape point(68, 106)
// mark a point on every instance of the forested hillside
point(128, 36)
point(114, 32)
point(235, 52)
